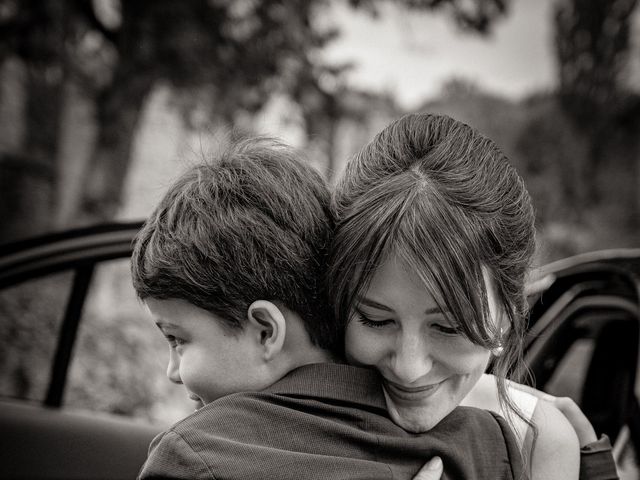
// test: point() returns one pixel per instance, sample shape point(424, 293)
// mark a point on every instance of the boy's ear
point(270, 324)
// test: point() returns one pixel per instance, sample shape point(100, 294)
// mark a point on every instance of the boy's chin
point(197, 400)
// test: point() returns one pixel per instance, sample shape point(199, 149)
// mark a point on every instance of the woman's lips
point(410, 394)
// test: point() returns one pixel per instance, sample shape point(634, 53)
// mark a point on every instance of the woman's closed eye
point(445, 329)
point(370, 322)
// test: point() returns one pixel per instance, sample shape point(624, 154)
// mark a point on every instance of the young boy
point(229, 265)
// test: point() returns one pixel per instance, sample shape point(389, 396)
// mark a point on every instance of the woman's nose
point(173, 369)
point(412, 359)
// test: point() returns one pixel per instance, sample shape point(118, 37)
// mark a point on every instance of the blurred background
point(104, 102)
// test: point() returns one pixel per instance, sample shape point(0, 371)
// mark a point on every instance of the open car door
point(40, 438)
point(583, 338)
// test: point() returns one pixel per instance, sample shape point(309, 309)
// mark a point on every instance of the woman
point(435, 234)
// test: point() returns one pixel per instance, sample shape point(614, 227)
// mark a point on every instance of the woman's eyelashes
point(369, 322)
point(442, 328)
point(445, 329)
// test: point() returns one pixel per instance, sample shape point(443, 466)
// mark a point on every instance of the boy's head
point(252, 225)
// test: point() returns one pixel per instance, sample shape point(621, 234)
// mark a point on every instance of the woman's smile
point(410, 393)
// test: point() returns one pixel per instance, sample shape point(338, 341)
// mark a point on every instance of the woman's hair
point(443, 199)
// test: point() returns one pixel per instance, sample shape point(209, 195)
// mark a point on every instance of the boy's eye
point(174, 341)
point(368, 322)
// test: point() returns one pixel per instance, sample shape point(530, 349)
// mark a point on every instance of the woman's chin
point(415, 416)
point(414, 420)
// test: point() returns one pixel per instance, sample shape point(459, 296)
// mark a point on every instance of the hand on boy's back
point(432, 470)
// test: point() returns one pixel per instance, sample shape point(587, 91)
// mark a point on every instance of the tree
point(476, 16)
point(238, 50)
point(592, 48)
point(114, 52)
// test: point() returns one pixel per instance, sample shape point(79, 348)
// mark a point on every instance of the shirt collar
point(333, 381)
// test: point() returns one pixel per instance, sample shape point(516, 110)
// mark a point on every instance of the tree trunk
point(119, 112)
point(76, 146)
point(27, 171)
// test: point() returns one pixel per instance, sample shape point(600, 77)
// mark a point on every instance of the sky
point(410, 55)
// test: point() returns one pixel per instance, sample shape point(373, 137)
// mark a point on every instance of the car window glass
point(31, 314)
point(119, 361)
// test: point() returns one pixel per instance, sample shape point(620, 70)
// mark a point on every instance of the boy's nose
point(173, 369)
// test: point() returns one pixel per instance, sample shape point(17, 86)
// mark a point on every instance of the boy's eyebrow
point(162, 325)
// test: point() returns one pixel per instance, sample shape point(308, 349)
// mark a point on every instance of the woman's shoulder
point(556, 452)
point(485, 395)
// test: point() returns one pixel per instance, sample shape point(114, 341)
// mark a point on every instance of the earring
point(496, 352)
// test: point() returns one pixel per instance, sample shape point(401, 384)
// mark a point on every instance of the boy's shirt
point(327, 421)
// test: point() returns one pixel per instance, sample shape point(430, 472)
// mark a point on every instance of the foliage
point(238, 51)
point(477, 16)
point(592, 49)
point(238, 47)
point(232, 54)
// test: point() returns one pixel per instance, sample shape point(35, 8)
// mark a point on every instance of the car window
point(118, 362)
point(569, 376)
point(31, 314)
point(120, 357)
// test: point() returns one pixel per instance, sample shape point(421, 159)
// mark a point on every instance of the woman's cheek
point(361, 345)
point(462, 357)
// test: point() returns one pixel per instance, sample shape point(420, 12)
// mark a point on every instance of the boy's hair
point(253, 224)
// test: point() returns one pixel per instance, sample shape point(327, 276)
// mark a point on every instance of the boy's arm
point(171, 457)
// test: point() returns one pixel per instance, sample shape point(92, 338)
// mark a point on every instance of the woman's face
point(427, 365)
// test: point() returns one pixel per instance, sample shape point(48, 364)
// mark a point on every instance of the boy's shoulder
point(307, 403)
point(225, 414)
point(320, 389)
point(271, 429)
point(275, 429)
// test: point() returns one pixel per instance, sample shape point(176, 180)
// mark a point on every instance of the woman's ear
point(270, 325)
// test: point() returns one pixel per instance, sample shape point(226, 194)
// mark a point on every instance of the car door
point(583, 340)
point(51, 289)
